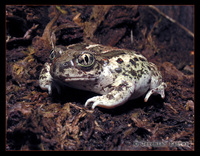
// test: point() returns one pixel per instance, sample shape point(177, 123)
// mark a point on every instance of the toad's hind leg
point(156, 86)
point(116, 97)
point(158, 90)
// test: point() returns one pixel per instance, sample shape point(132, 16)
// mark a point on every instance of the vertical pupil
point(86, 59)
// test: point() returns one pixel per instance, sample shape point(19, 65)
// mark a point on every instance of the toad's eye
point(52, 55)
point(85, 60)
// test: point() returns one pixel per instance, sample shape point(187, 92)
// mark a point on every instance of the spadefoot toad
point(118, 75)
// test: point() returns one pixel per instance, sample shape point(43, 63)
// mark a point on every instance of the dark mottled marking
point(79, 72)
point(153, 68)
point(125, 74)
point(43, 71)
point(149, 81)
point(120, 61)
point(43, 77)
point(146, 71)
point(109, 96)
point(133, 72)
point(135, 59)
point(118, 70)
point(140, 73)
point(155, 73)
point(97, 67)
point(149, 68)
point(104, 61)
point(142, 59)
point(132, 62)
point(109, 86)
point(119, 88)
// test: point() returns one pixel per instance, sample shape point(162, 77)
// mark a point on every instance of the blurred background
point(181, 14)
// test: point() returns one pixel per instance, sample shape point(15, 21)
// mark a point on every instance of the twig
point(172, 20)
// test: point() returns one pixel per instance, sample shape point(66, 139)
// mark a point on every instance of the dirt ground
point(37, 121)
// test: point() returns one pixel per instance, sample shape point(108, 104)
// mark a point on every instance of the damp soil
point(37, 121)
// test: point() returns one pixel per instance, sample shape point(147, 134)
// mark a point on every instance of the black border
point(124, 2)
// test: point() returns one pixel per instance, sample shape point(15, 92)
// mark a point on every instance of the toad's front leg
point(118, 96)
point(45, 78)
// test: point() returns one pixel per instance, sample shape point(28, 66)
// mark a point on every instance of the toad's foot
point(158, 90)
point(116, 97)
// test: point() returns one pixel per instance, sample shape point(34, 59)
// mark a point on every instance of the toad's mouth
point(70, 79)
